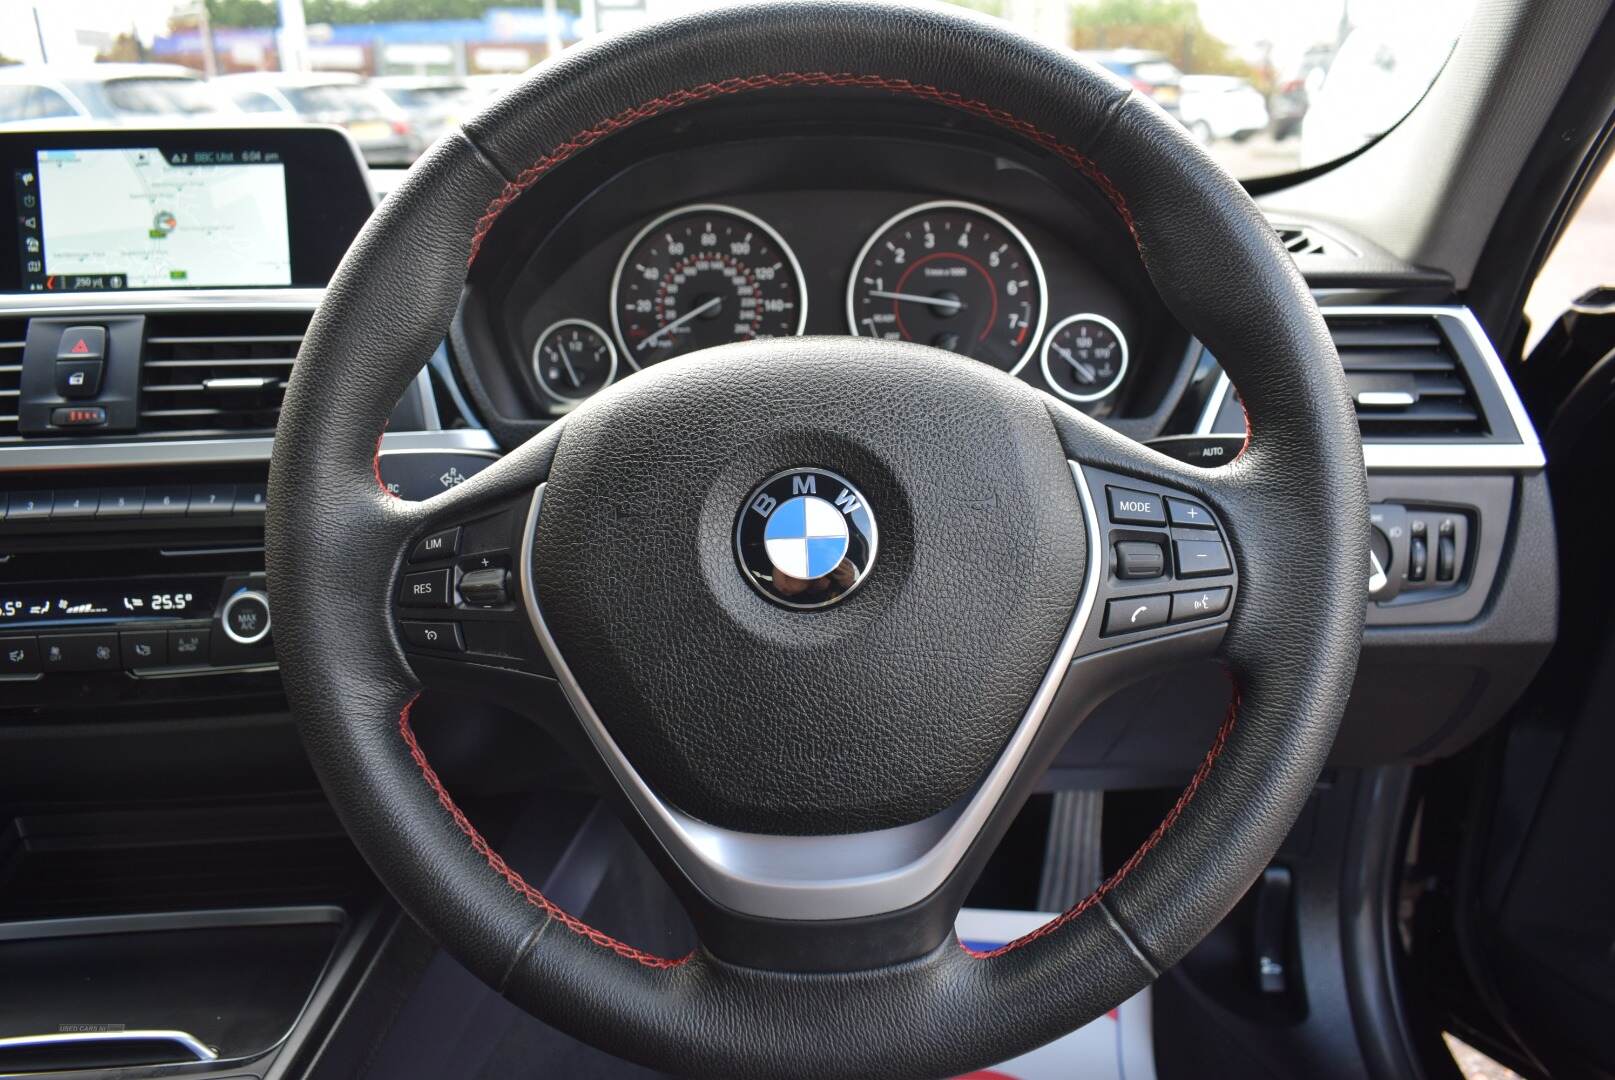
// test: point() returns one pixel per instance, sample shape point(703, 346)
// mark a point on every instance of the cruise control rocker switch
point(485, 588)
point(1139, 560)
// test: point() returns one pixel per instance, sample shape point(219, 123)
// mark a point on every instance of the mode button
point(1136, 507)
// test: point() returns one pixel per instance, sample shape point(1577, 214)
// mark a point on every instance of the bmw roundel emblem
point(805, 538)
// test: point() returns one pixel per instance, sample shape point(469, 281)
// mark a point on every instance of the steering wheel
point(819, 760)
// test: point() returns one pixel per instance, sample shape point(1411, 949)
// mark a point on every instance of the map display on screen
point(137, 218)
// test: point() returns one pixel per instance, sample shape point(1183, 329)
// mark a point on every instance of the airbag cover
point(875, 712)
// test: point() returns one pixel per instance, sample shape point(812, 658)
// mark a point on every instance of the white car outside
point(1221, 107)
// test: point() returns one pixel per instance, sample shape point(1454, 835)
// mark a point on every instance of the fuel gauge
point(572, 359)
point(1084, 357)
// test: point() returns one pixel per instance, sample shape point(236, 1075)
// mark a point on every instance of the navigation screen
point(139, 218)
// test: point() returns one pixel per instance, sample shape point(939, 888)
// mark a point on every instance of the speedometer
point(702, 276)
point(953, 275)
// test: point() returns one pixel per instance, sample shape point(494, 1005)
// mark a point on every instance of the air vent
point(1405, 379)
point(1299, 240)
point(13, 335)
point(217, 374)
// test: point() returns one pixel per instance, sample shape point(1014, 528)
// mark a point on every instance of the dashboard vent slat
point(1405, 378)
point(217, 372)
point(13, 335)
point(1303, 240)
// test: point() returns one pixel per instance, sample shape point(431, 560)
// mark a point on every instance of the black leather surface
point(878, 711)
point(1295, 506)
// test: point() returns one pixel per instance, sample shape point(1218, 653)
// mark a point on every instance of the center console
point(176, 897)
point(160, 287)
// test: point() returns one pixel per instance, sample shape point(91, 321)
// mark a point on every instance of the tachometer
point(954, 275)
point(701, 276)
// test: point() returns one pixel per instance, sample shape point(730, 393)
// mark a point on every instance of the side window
point(47, 104)
point(254, 102)
point(1582, 258)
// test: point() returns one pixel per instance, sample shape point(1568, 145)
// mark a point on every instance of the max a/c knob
point(246, 617)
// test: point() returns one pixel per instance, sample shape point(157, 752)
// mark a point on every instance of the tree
point(243, 13)
point(267, 13)
point(1171, 27)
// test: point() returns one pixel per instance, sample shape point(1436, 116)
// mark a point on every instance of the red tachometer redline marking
point(902, 282)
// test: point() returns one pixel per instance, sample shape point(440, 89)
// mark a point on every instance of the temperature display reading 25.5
point(48, 603)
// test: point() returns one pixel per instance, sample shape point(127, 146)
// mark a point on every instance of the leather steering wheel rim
point(1294, 503)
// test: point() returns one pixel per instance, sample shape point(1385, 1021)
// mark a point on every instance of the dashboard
point(131, 508)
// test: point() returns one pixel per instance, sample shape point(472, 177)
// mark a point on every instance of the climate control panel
point(159, 626)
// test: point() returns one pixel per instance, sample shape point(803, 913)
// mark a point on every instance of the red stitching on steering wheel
point(694, 95)
point(504, 869)
point(1137, 857)
point(706, 91)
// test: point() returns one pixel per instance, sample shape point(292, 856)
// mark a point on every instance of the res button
point(427, 589)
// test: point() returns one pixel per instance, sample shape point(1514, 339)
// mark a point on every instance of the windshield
point(1268, 87)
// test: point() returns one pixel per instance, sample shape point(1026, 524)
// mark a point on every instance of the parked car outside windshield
point(107, 93)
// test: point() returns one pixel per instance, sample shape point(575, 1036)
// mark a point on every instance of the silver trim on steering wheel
point(844, 876)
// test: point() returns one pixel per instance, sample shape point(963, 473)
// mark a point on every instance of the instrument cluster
point(998, 266)
point(954, 275)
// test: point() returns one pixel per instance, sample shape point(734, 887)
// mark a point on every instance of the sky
point(1290, 25)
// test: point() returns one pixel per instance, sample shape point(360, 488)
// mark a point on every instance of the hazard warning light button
point(83, 343)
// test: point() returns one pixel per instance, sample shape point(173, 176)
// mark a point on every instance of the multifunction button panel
point(458, 595)
point(1164, 561)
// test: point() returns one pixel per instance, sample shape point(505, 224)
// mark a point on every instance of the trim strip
point(181, 452)
point(846, 876)
point(1523, 456)
point(183, 1039)
point(162, 301)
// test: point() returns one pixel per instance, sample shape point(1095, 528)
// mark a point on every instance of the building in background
point(504, 40)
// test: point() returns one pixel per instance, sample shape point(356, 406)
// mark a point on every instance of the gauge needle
point(680, 321)
point(1086, 371)
point(934, 301)
point(571, 372)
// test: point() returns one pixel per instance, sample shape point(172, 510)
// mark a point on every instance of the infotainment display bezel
point(328, 191)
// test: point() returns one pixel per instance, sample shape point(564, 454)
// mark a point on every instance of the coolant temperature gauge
point(1084, 357)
